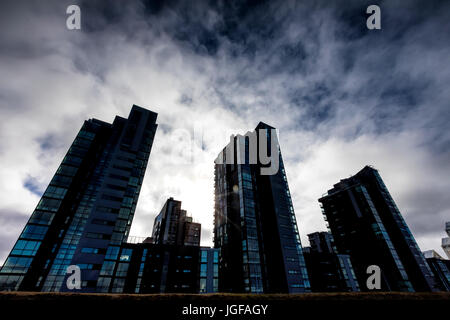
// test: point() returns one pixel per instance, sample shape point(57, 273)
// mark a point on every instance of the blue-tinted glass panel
point(112, 253)
point(126, 254)
point(55, 192)
point(107, 268)
point(26, 248)
point(42, 217)
point(49, 204)
point(16, 265)
point(34, 232)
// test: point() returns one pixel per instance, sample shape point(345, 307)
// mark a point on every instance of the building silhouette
point(87, 209)
point(85, 215)
point(440, 268)
point(162, 264)
point(367, 225)
point(446, 241)
point(254, 220)
point(209, 270)
point(173, 226)
point(328, 271)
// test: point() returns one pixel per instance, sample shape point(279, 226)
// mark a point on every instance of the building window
point(126, 254)
point(26, 248)
point(203, 270)
point(118, 285)
point(66, 170)
point(34, 232)
point(41, 217)
point(204, 257)
point(122, 269)
point(103, 284)
point(16, 265)
point(112, 253)
point(107, 268)
point(55, 192)
point(102, 236)
point(203, 285)
point(49, 204)
point(10, 282)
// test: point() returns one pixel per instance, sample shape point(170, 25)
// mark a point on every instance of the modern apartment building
point(328, 271)
point(366, 224)
point(254, 221)
point(87, 209)
point(440, 268)
point(172, 226)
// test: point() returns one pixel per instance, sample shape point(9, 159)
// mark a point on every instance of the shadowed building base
point(280, 306)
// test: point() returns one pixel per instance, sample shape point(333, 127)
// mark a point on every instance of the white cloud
point(325, 92)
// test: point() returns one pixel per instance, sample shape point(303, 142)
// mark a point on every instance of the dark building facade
point(171, 261)
point(254, 221)
point(86, 211)
point(209, 270)
point(440, 268)
point(328, 271)
point(159, 268)
point(172, 226)
point(366, 224)
point(150, 268)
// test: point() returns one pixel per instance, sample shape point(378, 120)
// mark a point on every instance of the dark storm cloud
point(256, 35)
point(310, 68)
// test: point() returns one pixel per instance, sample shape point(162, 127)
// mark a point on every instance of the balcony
point(134, 239)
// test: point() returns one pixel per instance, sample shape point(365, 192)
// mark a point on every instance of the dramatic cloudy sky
point(341, 96)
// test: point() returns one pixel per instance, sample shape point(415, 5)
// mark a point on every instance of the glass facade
point(441, 270)
point(173, 226)
point(209, 270)
point(254, 222)
point(367, 225)
point(327, 270)
point(87, 207)
point(252, 273)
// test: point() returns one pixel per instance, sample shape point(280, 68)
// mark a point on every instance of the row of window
point(34, 232)
point(26, 248)
point(16, 265)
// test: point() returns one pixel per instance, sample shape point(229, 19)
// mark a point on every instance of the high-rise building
point(440, 268)
point(254, 221)
point(446, 241)
point(328, 271)
point(162, 264)
point(366, 224)
point(150, 268)
point(172, 226)
point(159, 268)
point(85, 213)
